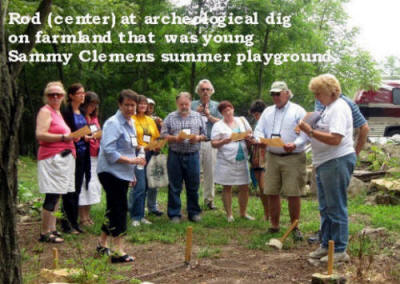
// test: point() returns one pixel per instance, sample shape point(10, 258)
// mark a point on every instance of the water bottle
point(141, 155)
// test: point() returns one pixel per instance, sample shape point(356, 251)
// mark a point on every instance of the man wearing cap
point(210, 114)
point(285, 166)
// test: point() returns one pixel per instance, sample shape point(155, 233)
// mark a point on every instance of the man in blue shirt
point(210, 115)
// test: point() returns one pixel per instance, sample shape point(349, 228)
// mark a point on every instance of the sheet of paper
point(239, 136)
point(81, 132)
point(156, 144)
point(272, 142)
point(184, 135)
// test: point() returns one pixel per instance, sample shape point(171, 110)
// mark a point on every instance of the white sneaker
point(318, 253)
point(230, 219)
point(248, 217)
point(337, 257)
point(145, 221)
point(135, 223)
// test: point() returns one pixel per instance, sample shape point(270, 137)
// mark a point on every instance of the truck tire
point(393, 132)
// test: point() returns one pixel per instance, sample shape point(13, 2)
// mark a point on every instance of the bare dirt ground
point(164, 263)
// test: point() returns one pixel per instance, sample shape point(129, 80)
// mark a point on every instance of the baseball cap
point(278, 86)
point(150, 101)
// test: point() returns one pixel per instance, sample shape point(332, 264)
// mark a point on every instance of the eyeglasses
point(275, 94)
point(205, 89)
point(55, 95)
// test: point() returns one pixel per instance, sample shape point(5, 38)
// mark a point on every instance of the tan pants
point(208, 156)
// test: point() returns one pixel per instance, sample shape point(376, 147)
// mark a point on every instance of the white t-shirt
point(336, 118)
point(221, 130)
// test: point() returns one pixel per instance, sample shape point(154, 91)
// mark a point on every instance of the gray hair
point(185, 95)
point(204, 81)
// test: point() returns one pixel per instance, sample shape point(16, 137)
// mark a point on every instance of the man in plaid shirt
point(183, 157)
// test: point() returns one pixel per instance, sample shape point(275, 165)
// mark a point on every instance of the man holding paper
point(184, 129)
point(285, 165)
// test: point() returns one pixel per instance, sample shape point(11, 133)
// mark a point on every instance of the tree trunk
point(260, 82)
point(11, 107)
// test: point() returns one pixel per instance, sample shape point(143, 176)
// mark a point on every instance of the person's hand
point(207, 111)
point(200, 108)
point(289, 147)
point(158, 120)
point(227, 140)
point(196, 139)
point(179, 139)
point(88, 137)
point(304, 126)
point(68, 138)
point(139, 161)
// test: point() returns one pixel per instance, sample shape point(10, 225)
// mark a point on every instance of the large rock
point(356, 187)
point(386, 185)
point(392, 149)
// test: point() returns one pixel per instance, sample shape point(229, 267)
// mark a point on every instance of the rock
point(393, 171)
point(59, 275)
point(392, 149)
point(386, 199)
point(314, 262)
point(25, 219)
point(373, 232)
point(356, 187)
point(386, 184)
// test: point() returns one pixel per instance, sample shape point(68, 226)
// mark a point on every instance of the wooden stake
point(331, 248)
point(189, 236)
point(55, 258)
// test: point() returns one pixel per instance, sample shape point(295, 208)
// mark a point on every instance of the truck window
point(396, 96)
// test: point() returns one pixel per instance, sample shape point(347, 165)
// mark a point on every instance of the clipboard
point(272, 142)
point(183, 135)
point(81, 132)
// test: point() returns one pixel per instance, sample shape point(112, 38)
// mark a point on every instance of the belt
point(184, 154)
point(284, 154)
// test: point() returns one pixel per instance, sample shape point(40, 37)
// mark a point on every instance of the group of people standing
point(119, 159)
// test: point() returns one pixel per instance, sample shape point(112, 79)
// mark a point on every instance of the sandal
point(57, 233)
point(122, 259)
point(50, 238)
point(103, 250)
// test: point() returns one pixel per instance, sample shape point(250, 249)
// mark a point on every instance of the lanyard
point(282, 120)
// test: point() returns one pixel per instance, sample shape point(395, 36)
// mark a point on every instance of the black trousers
point(117, 204)
point(70, 200)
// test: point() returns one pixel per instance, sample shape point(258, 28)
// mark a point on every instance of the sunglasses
point(205, 89)
point(275, 94)
point(55, 95)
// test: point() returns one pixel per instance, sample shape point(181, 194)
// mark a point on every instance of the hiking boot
point(157, 213)
point(297, 235)
point(337, 257)
point(210, 205)
point(135, 223)
point(318, 253)
point(195, 218)
point(175, 220)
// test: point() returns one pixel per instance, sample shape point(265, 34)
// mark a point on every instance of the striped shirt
point(358, 119)
point(175, 123)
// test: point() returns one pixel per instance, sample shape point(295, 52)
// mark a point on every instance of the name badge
point(275, 136)
point(134, 141)
point(146, 138)
point(187, 131)
point(93, 128)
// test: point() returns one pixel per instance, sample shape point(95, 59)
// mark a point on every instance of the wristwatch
point(311, 134)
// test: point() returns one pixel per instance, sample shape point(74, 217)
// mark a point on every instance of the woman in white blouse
point(231, 165)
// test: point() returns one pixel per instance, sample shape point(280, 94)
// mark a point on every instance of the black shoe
point(273, 230)
point(297, 235)
point(210, 205)
point(157, 213)
point(315, 238)
point(77, 228)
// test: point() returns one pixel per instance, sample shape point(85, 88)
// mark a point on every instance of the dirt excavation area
point(164, 263)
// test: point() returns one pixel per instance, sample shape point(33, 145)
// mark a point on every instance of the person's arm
point(362, 137)
point(333, 139)
point(43, 122)
point(220, 142)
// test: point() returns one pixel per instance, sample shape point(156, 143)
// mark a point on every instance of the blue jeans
point(333, 178)
point(152, 199)
point(137, 195)
point(183, 167)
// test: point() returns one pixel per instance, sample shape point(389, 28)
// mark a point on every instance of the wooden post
point(331, 248)
point(55, 258)
point(188, 245)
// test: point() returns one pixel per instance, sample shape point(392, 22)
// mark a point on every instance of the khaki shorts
point(285, 175)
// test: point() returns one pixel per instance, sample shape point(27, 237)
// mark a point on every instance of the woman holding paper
point(74, 116)
point(231, 165)
point(93, 194)
point(147, 132)
point(56, 158)
point(334, 159)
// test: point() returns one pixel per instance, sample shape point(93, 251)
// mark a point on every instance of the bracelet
point(62, 137)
